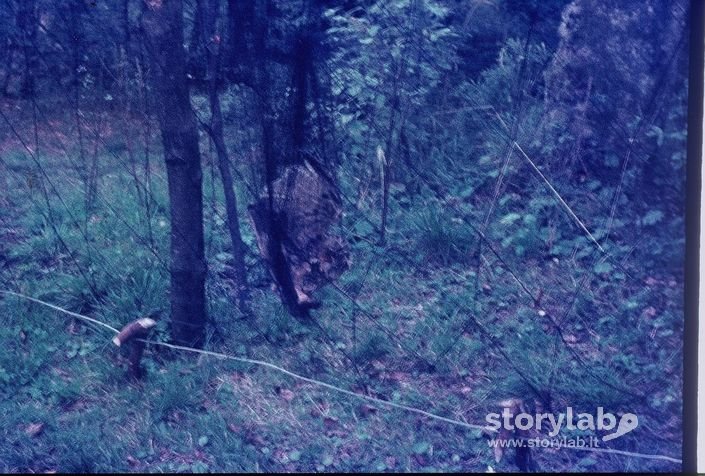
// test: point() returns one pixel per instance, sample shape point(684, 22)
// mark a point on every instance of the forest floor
point(423, 321)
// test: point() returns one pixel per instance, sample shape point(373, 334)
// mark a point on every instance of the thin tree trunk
point(230, 204)
point(272, 157)
point(147, 136)
point(27, 23)
point(213, 46)
point(384, 176)
point(386, 160)
point(162, 24)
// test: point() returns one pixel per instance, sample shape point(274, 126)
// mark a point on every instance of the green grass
point(195, 413)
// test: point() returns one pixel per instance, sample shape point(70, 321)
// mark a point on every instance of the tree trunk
point(241, 24)
point(231, 208)
point(27, 24)
point(162, 24)
point(214, 49)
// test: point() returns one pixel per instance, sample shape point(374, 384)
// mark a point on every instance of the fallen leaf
point(650, 312)
point(34, 429)
point(287, 395)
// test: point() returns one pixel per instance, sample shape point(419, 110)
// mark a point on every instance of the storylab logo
point(551, 424)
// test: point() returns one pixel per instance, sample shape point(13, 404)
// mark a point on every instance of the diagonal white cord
point(548, 184)
point(329, 386)
point(74, 314)
point(323, 384)
point(262, 363)
point(558, 196)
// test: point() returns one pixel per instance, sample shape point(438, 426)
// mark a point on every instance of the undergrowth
point(68, 405)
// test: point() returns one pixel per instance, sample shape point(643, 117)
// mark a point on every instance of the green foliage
point(440, 320)
point(521, 233)
point(81, 447)
point(173, 392)
point(375, 347)
point(442, 239)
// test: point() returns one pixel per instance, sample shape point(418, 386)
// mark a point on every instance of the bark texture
point(162, 23)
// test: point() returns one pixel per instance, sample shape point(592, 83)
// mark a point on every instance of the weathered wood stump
point(132, 334)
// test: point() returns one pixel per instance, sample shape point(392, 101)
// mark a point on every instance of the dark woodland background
point(440, 203)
